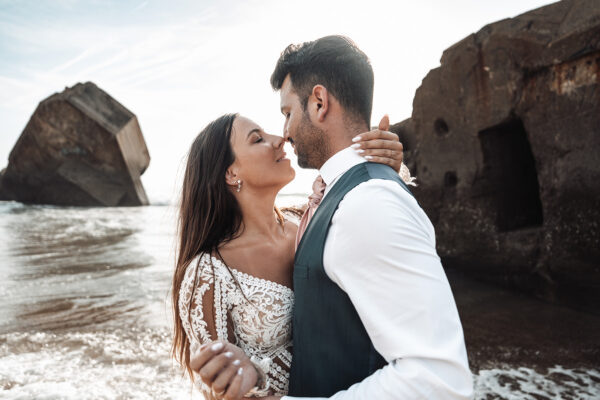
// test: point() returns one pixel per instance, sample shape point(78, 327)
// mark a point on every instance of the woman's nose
point(278, 142)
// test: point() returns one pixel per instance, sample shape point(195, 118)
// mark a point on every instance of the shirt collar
point(339, 163)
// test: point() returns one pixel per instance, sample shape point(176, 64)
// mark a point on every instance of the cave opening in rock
point(509, 167)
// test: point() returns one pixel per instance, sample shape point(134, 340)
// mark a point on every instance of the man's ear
point(320, 102)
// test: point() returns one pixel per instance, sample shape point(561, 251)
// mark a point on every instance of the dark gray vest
point(332, 349)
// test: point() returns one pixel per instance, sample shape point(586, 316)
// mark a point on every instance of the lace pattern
point(212, 307)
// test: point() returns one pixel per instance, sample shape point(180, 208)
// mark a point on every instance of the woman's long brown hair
point(209, 214)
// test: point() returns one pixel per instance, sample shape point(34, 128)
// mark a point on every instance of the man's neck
point(341, 139)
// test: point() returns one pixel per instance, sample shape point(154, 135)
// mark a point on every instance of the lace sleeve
point(196, 305)
point(202, 310)
point(275, 372)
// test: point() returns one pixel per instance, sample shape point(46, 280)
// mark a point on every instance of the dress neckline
point(249, 276)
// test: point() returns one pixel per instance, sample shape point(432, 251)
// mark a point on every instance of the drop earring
point(239, 186)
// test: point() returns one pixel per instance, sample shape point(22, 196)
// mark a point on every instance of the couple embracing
point(350, 303)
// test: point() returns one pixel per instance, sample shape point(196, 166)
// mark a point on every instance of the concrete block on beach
point(504, 140)
point(80, 148)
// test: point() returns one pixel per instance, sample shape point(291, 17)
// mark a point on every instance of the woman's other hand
point(225, 368)
point(380, 145)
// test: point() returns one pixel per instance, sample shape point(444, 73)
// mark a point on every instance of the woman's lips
point(282, 158)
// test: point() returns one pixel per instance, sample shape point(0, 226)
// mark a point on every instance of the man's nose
point(286, 133)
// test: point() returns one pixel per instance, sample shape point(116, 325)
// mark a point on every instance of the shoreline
point(504, 327)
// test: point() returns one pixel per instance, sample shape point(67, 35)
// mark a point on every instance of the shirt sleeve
point(380, 250)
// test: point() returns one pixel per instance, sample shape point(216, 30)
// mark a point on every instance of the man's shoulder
point(380, 189)
point(376, 170)
point(378, 212)
point(379, 201)
point(370, 171)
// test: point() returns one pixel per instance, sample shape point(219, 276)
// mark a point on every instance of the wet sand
point(522, 347)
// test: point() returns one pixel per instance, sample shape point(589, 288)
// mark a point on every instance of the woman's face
point(260, 161)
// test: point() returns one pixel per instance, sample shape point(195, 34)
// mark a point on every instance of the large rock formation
point(504, 140)
point(80, 147)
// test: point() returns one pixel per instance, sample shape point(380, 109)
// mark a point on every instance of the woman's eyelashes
point(255, 138)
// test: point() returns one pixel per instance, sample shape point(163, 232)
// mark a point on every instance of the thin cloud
point(140, 6)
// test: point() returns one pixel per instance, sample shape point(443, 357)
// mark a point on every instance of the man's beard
point(311, 144)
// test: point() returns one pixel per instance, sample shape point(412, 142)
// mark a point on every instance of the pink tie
point(313, 202)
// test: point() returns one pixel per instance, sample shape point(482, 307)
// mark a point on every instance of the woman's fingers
point(234, 391)
point(376, 134)
point(386, 153)
point(379, 144)
point(225, 377)
point(203, 355)
point(393, 147)
point(384, 124)
point(212, 369)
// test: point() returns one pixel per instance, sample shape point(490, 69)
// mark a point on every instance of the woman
point(233, 276)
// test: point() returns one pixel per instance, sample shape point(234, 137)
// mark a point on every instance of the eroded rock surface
point(504, 140)
point(81, 147)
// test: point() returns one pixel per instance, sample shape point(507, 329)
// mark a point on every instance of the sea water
point(85, 311)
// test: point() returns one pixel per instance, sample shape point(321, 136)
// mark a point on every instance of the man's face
point(309, 142)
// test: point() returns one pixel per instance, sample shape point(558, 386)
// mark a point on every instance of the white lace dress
point(259, 321)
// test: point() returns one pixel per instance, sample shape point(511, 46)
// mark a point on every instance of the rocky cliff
point(504, 140)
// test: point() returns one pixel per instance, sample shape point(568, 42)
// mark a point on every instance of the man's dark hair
point(334, 62)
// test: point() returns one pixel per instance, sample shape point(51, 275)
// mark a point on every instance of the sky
point(177, 65)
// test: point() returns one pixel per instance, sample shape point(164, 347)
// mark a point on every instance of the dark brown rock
point(81, 147)
point(504, 140)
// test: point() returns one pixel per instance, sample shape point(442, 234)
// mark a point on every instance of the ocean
point(85, 310)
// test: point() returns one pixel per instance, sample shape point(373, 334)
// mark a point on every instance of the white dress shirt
point(380, 249)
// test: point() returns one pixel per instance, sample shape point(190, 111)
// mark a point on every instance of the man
point(374, 316)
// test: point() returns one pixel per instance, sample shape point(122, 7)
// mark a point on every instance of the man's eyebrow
point(252, 131)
